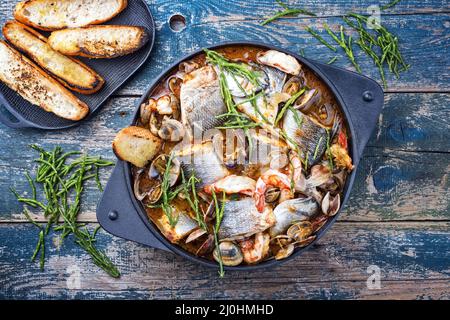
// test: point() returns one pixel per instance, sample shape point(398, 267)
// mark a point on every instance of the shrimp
point(296, 172)
point(233, 184)
point(267, 179)
point(255, 248)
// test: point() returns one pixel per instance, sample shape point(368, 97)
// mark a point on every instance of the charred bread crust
point(27, 82)
point(22, 6)
point(124, 145)
point(99, 49)
point(90, 88)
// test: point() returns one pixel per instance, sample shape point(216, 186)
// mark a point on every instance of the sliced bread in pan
point(99, 41)
point(70, 72)
point(33, 84)
point(136, 145)
point(52, 15)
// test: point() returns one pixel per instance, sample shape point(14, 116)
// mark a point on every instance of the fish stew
point(251, 156)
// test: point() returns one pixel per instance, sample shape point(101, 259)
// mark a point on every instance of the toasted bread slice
point(70, 72)
point(136, 145)
point(34, 85)
point(52, 15)
point(99, 41)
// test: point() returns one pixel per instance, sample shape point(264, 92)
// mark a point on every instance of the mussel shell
point(285, 252)
point(155, 123)
point(154, 194)
point(206, 247)
point(174, 85)
point(272, 194)
point(304, 242)
point(158, 167)
point(293, 85)
point(300, 231)
point(194, 235)
point(145, 113)
point(230, 253)
point(172, 130)
point(308, 100)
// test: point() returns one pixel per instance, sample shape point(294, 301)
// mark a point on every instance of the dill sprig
point(345, 43)
point(61, 180)
point(219, 209)
point(390, 4)
point(287, 12)
point(321, 40)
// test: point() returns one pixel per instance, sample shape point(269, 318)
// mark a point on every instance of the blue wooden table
point(396, 222)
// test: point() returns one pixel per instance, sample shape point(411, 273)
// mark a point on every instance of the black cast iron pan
point(360, 99)
point(23, 114)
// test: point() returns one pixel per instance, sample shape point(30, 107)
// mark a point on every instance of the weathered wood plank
point(421, 35)
point(416, 33)
point(206, 12)
point(402, 176)
point(413, 258)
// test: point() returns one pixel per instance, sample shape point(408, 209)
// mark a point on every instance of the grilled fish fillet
point(70, 72)
point(34, 85)
point(241, 219)
point(52, 15)
point(99, 41)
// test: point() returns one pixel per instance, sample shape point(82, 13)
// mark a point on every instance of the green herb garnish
point(321, 40)
point(345, 43)
point(61, 180)
point(332, 60)
point(386, 42)
point(288, 104)
point(316, 151)
point(286, 12)
point(329, 155)
point(219, 216)
point(191, 197)
point(165, 194)
point(390, 4)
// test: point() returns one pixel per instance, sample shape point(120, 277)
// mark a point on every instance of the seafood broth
point(273, 204)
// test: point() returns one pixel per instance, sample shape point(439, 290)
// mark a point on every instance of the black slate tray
point(23, 114)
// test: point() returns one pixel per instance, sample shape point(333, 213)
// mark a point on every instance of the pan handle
point(9, 119)
point(117, 214)
point(363, 98)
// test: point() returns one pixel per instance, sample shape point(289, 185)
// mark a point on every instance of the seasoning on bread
point(33, 84)
point(136, 145)
point(70, 72)
point(52, 15)
point(109, 41)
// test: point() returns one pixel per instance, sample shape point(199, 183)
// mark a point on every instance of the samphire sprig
point(287, 12)
point(219, 209)
point(345, 42)
point(234, 119)
point(63, 185)
point(385, 40)
point(190, 193)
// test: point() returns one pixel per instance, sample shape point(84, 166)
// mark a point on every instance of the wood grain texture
point(422, 27)
point(334, 268)
point(397, 217)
